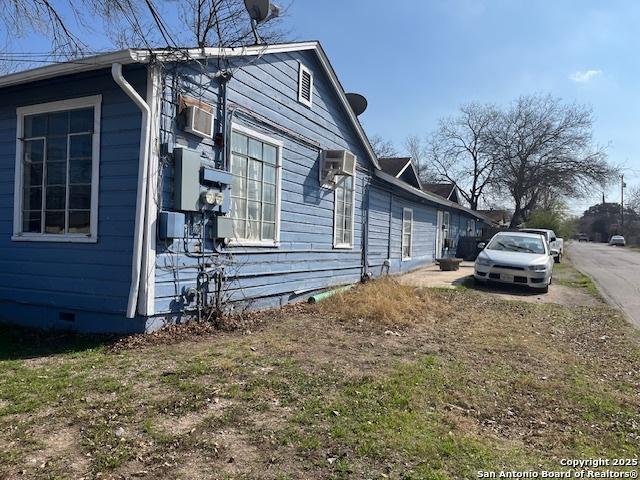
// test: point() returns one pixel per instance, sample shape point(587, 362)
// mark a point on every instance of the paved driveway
point(616, 272)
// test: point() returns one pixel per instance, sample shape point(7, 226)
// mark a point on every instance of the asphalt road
point(616, 272)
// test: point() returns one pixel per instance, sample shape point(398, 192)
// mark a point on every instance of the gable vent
point(305, 86)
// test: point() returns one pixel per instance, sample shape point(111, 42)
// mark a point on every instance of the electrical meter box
point(221, 227)
point(171, 225)
point(219, 181)
point(186, 179)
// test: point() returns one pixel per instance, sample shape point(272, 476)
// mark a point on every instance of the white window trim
point(237, 242)
point(339, 245)
point(471, 223)
point(446, 221)
point(404, 216)
point(94, 101)
point(302, 69)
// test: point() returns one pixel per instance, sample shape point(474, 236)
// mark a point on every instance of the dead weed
point(383, 302)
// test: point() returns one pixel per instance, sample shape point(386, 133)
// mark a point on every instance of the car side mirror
point(553, 239)
point(481, 245)
point(554, 252)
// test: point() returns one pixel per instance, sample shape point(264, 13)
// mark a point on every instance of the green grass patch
point(567, 275)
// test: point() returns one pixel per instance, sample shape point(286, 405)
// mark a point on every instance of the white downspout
point(143, 169)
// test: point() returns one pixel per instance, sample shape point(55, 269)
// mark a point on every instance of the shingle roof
point(393, 165)
point(442, 189)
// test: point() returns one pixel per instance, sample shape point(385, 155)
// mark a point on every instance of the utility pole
point(622, 185)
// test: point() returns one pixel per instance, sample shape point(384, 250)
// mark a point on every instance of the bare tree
point(417, 150)
point(633, 199)
point(543, 147)
point(382, 147)
point(224, 23)
point(71, 25)
point(460, 153)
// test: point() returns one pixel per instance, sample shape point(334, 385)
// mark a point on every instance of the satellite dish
point(358, 103)
point(259, 10)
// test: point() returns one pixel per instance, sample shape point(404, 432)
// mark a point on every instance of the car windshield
point(517, 243)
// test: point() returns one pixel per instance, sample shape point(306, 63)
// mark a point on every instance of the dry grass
point(383, 302)
point(470, 383)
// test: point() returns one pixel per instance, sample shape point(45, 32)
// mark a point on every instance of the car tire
point(557, 259)
point(545, 289)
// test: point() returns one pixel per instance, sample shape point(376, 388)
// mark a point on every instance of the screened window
point(56, 170)
point(407, 233)
point(254, 193)
point(344, 213)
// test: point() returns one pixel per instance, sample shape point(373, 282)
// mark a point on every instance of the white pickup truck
point(556, 245)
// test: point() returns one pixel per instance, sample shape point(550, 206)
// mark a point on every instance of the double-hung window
point(407, 233)
point(56, 181)
point(255, 193)
point(344, 213)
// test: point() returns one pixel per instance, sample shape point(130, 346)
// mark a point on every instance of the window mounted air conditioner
point(199, 121)
point(335, 164)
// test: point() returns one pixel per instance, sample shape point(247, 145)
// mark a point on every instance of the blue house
point(142, 187)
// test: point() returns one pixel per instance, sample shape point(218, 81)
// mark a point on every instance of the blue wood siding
point(263, 96)
point(385, 230)
point(75, 276)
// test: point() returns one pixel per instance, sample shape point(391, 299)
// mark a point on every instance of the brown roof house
point(401, 168)
point(444, 189)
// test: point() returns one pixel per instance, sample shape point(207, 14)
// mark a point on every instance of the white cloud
point(583, 77)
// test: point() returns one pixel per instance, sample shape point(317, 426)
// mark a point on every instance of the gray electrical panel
point(171, 225)
point(186, 179)
point(222, 227)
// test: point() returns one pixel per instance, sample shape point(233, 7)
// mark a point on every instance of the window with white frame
point(305, 85)
point(471, 227)
point(446, 224)
point(407, 233)
point(344, 213)
point(57, 162)
point(255, 193)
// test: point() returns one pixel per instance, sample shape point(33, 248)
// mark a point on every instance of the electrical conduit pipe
point(141, 197)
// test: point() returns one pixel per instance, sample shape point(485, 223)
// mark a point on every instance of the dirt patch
point(61, 452)
point(558, 294)
point(181, 424)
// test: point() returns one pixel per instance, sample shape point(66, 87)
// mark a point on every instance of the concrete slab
point(432, 277)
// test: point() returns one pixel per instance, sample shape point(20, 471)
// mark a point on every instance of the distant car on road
point(583, 237)
point(556, 244)
point(617, 240)
point(517, 258)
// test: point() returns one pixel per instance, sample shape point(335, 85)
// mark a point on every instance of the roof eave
point(83, 65)
point(429, 196)
point(144, 56)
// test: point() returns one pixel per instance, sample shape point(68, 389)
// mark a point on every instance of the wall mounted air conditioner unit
point(335, 164)
point(199, 120)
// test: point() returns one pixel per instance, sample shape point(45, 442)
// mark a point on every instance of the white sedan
point(516, 258)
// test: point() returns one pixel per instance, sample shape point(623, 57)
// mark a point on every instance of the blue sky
point(417, 61)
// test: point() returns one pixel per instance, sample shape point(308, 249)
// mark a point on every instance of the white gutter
point(138, 233)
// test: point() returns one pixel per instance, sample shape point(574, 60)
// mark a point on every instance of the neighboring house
point(501, 218)
point(401, 168)
point(139, 187)
point(444, 190)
